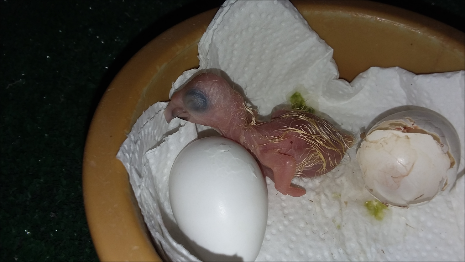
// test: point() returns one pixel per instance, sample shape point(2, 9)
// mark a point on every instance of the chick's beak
point(173, 110)
point(168, 114)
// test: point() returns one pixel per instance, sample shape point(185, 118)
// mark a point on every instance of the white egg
point(219, 199)
point(409, 157)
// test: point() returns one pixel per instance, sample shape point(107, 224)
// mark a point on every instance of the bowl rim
point(115, 223)
point(116, 233)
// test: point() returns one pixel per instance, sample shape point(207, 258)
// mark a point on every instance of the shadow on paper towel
point(190, 245)
point(207, 255)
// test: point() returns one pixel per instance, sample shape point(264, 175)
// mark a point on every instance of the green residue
point(298, 103)
point(376, 209)
point(336, 195)
point(338, 226)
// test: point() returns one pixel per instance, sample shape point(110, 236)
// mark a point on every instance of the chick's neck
point(237, 122)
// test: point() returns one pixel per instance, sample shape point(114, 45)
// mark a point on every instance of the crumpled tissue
point(272, 55)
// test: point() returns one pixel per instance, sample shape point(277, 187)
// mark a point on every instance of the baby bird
point(292, 143)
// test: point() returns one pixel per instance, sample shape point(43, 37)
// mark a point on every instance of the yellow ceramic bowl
point(363, 34)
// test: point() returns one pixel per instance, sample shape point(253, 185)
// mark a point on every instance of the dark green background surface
point(57, 58)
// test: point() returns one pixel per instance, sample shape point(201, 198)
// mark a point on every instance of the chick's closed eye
point(195, 100)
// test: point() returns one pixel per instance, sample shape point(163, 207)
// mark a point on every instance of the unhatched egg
point(409, 157)
point(219, 199)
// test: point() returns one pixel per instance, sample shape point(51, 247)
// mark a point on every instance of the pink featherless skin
point(292, 143)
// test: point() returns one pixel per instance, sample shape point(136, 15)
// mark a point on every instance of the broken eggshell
point(407, 158)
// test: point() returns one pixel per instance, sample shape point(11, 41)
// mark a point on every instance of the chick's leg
point(283, 167)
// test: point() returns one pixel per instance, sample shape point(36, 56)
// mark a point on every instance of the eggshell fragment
point(406, 158)
point(219, 199)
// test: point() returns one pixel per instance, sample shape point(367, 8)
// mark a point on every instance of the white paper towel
point(272, 54)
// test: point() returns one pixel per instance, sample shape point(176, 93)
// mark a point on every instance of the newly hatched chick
point(292, 143)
